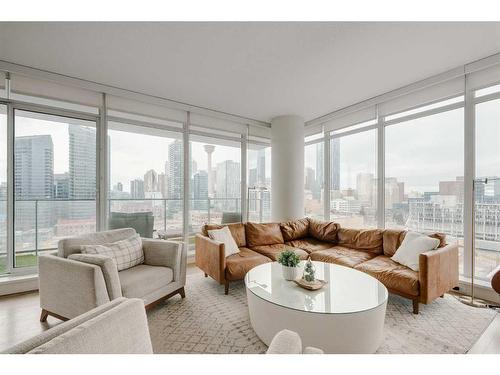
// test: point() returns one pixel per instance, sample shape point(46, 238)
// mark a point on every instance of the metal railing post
point(165, 215)
point(36, 227)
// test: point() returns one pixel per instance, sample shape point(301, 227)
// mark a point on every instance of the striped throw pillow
point(126, 253)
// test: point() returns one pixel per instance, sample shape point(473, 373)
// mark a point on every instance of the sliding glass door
point(487, 183)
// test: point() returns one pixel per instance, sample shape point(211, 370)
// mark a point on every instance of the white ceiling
point(256, 70)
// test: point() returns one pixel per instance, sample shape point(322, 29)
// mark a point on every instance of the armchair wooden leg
point(206, 275)
point(44, 315)
point(226, 288)
point(442, 296)
point(182, 292)
point(415, 306)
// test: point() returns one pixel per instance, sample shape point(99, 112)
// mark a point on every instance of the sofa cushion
point(323, 230)
point(139, 281)
point(370, 240)
point(237, 265)
point(342, 255)
point(393, 238)
point(393, 275)
point(309, 244)
point(295, 229)
point(263, 234)
point(273, 251)
point(236, 229)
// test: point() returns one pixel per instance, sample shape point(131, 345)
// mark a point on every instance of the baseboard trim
point(18, 284)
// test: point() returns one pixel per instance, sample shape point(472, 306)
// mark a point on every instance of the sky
point(419, 152)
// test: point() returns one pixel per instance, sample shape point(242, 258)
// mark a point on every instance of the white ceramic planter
point(290, 273)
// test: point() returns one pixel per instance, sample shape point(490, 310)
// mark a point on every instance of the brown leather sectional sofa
point(367, 250)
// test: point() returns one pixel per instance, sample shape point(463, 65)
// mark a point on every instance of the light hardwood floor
point(19, 320)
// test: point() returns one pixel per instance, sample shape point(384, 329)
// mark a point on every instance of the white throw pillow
point(126, 253)
point(224, 235)
point(412, 246)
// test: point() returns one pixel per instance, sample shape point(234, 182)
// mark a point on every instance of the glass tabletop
point(347, 290)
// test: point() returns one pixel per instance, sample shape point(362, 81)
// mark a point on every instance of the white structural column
point(287, 141)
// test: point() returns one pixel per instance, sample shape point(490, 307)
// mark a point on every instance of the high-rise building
point(174, 170)
point(162, 184)
point(82, 162)
point(364, 187)
point(228, 184)
point(33, 180)
point(335, 164)
point(150, 181)
point(252, 177)
point(310, 179)
point(34, 167)
point(137, 189)
point(61, 186)
point(200, 190)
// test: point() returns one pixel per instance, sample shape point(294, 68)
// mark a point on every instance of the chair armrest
point(69, 287)
point(210, 257)
point(313, 350)
point(108, 268)
point(438, 272)
point(163, 253)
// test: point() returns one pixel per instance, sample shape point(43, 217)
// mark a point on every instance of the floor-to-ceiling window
point(54, 181)
point(3, 188)
point(314, 177)
point(215, 175)
point(353, 176)
point(259, 182)
point(424, 171)
point(487, 181)
point(146, 182)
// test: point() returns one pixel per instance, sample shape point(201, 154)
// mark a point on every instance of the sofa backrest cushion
point(323, 230)
point(72, 245)
point(237, 231)
point(394, 237)
point(370, 240)
point(295, 229)
point(263, 234)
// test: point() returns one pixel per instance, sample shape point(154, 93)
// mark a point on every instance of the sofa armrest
point(108, 268)
point(210, 257)
point(438, 272)
point(69, 287)
point(170, 254)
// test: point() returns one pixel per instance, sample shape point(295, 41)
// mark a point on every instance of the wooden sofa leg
point(182, 292)
point(206, 274)
point(442, 296)
point(226, 288)
point(415, 306)
point(44, 315)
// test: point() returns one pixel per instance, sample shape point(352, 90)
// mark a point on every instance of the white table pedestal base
point(357, 332)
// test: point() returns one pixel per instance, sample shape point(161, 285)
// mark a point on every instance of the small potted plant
point(289, 264)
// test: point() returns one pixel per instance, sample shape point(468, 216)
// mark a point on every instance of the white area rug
point(207, 321)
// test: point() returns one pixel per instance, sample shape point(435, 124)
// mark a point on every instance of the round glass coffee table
point(345, 316)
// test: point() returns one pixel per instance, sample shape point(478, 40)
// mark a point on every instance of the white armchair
point(72, 283)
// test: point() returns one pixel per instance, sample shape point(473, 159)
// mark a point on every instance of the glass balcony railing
point(41, 223)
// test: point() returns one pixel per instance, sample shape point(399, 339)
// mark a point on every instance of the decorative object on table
point(315, 285)
point(309, 271)
point(289, 264)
